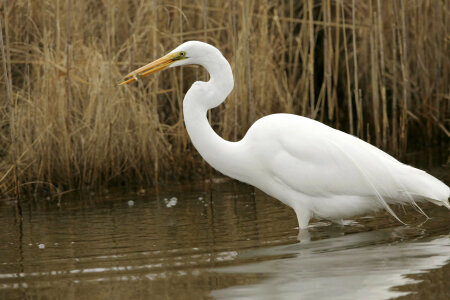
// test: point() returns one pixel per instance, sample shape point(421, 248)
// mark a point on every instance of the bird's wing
point(319, 161)
point(331, 162)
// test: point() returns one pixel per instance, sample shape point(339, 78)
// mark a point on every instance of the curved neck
point(219, 153)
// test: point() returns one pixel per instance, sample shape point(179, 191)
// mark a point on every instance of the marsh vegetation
point(375, 69)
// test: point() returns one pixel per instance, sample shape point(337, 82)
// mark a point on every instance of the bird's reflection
point(360, 266)
point(331, 230)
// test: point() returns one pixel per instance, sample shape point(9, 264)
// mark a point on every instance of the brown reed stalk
point(26, 82)
point(155, 87)
point(56, 25)
point(374, 78)
point(337, 59)
point(405, 77)
point(394, 145)
point(181, 74)
point(385, 120)
point(264, 43)
point(8, 50)
point(312, 95)
point(247, 53)
point(327, 61)
point(68, 104)
point(360, 127)
point(236, 69)
point(68, 63)
point(347, 72)
point(437, 65)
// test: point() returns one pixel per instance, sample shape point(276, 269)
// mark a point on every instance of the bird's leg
point(303, 235)
point(303, 217)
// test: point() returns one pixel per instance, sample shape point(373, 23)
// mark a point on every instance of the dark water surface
point(186, 242)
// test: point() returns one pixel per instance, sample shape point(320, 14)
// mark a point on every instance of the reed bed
point(376, 69)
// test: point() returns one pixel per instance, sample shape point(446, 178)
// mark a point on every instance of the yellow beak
point(153, 67)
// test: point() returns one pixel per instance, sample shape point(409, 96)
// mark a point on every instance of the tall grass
point(377, 69)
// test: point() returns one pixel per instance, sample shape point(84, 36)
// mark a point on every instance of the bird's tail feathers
point(434, 201)
point(418, 186)
point(422, 186)
point(446, 204)
point(366, 177)
point(440, 203)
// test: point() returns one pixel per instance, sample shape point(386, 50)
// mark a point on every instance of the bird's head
point(192, 52)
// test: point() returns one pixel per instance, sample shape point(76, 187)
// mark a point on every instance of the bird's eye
point(182, 53)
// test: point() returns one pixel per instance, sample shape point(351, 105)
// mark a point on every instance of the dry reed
point(377, 69)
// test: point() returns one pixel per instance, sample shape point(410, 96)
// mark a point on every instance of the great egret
point(319, 171)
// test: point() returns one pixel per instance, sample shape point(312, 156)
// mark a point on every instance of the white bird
point(319, 171)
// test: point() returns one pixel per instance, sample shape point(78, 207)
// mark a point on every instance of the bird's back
point(317, 161)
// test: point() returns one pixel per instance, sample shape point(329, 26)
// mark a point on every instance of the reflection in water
point(135, 246)
point(357, 266)
point(188, 243)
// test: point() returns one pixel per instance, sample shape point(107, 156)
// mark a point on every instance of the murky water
point(185, 242)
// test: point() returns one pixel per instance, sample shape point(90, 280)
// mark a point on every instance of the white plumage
point(318, 171)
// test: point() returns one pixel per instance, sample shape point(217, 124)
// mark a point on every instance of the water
point(187, 243)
